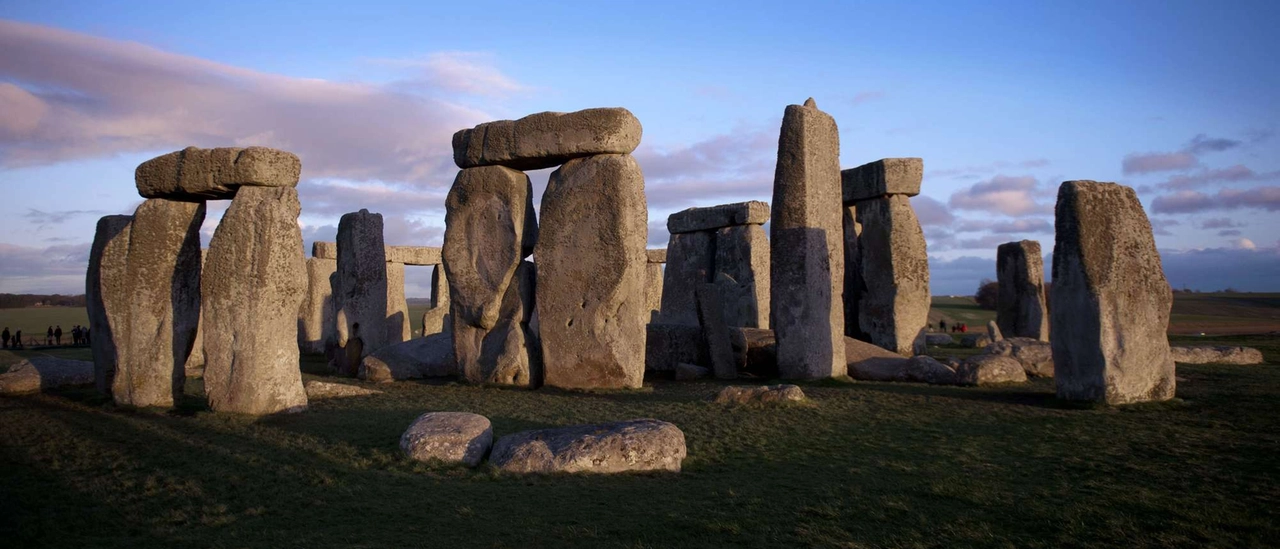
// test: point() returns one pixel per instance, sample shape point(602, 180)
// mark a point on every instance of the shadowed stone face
point(106, 293)
point(360, 295)
point(894, 309)
point(690, 262)
point(316, 316)
point(1111, 301)
point(1020, 306)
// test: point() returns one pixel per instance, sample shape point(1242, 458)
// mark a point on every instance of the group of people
point(16, 340)
point(53, 336)
point(955, 327)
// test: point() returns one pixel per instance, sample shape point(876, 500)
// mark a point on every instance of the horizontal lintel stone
point(406, 255)
point(714, 217)
point(881, 178)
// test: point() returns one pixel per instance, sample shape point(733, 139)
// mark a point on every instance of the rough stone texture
point(653, 291)
point(668, 345)
point(414, 255)
point(42, 373)
point(927, 369)
point(430, 356)
point(162, 303)
point(106, 293)
point(656, 256)
point(938, 339)
point(990, 370)
point(194, 367)
point(759, 395)
point(360, 292)
point(1035, 356)
point(317, 328)
point(690, 262)
point(399, 326)
point(451, 437)
point(1111, 301)
point(252, 287)
point(869, 362)
point(888, 176)
point(894, 308)
point(975, 341)
point(715, 333)
point(324, 250)
point(547, 139)
point(635, 445)
point(807, 250)
point(507, 353)
point(1020, 306)
point(322, 389)
point(714, 217)
point(1205, 354)
point(688, 372)
point(854, 286)
point(199, 174)
point(591, 260)
point(437, 319)
point(742, 272)
point(993, 331)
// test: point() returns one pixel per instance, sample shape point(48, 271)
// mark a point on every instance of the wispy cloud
point(1263, 198)
point(1183, 159)
point(1008, 195)
point(42, 219)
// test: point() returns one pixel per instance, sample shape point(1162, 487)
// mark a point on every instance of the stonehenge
point(1110, 301)
point(363, 313)
point(724, 245)
point(1020, 308)
point(106, 293)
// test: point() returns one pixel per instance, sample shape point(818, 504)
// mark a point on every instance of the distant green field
point(34, 321)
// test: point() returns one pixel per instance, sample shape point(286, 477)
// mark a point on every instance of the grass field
point(35, 321)
point(861, 465)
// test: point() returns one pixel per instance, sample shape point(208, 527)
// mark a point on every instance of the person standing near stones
point(355, 352)
point(5, 338)
point(942, 326)
point(48, 336)
point(57, 335)
point(17, 339)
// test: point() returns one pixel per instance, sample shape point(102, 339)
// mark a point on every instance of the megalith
point(162, 303)
point(106, 293)
point(360, 295)
point(399, 326)
point(1110, 299)
point(653, 284)
point(436, 319)
point(742, 272)
point(894, 308)
point(317, 330)
point(547, 139)
point(806, 247)
point(210, 174)
point(252, 287)
point(1020, 302)
point(725, 245)
point(591, 267)
point(489, 230)
point(690, 262)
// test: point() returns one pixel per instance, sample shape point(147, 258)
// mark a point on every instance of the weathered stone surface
point(1206, 354)
point(162, 303)
point(894, 308)
point(993, 331)
point(252, 287)
point(974, 341)
point(656, 256)
point(888, 176)
point(42, 373)
point(547, 139)
point(688, 372)
point(437, 319)
point(324, 250)
point(322, 389)
point(925, 368)
point(807, 250)
point(714, 217)
point(1035, 356)
point(399, 327)
point(759, 395)
point(591, 260)
point(635, 445)
point(198, 174)
point(938, 339)
point(505, 354)
point(317, 319)
point(756, 351)
point(864, 361)
point(194, 367)
point(653, 291)
point(1111, 301)
point(854, 286)
point(690, 262)
point(451, 437)
point(715, 333)
point(742, 272)
point(414, 255)
point(668, 345)
point(990, 370)
point(1020, 306)
point(430, 356)
point(106, 293)
point(360, 292)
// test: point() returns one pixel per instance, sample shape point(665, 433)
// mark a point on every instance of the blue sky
point(1003, 100)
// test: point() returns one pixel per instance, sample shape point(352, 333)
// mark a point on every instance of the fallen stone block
point(990, 370)
point(688, 372)
point(624, 446)
point(1035, 356)
point(450, 437)
point(759, 395)
point(323, 389)
point(938, 339)
point(975, 341)
point(420, 357)
point(42, 373)
point(1204, 354)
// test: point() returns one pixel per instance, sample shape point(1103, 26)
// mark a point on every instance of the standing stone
point(360, 296)
point(194, 367)
point(399, 327)
point(591, 263)
point(436, 319)
point(993, 331)
point(162, 303)
point(316, 316)
point(1020, 305)
point(1111, 301)
point(742, 257)
point(489, 229)
point(106, 293)
point(252, 290)
point(690, 262)
point(894, 309)
point(854, 286)
point(715, 333)
point(807, 252)
point(653, 291)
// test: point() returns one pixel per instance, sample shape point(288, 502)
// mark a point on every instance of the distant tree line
point(20, 301)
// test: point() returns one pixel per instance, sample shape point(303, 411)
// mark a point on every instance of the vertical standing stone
point(316, 316)
point(162, 303)
point(894, 309)
point(360, 297)
point(854, 286)
point(591, 262)
point(653, 291)
point(690, 262)
point(194, 367)
point(106, 293)
point(1020, 305)
point(742, 255)
point(399, 327)
point(252, 289)
point(715, 332)
point(436, 319)
point(489, 229)
point(1111, 301)
point(807, 250)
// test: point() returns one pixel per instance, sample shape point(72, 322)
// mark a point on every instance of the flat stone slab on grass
point(323, 389)
point(213, 174)
point(990, 370)
point(975, 341)
point(41, 373)
point(624, 446)
point(451, 437)
point(420, 357)
point(547, 139)
point(1206, 354)
point(737, 394)
point(1035, 356)
point(938, 339)
point(882, 177)
point(710, 218)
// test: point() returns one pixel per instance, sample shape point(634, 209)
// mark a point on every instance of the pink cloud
point(867, 96)
point(1014, 196)
point(1158, 162)
point(1264, 198)
point(932, 212)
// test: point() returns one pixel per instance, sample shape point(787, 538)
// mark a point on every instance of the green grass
point(35, 321)
point(861, 465)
